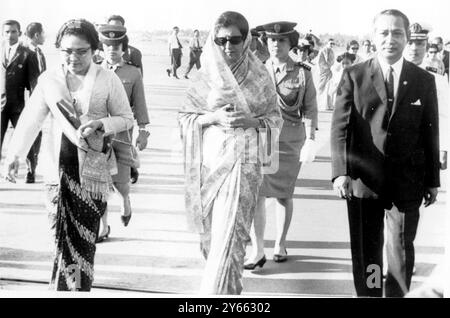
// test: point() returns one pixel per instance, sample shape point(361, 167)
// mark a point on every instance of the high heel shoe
point(125, 219)
point(103, 237)
point(259, 263)
point(279, 258)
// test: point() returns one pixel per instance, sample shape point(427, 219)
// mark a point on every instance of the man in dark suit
point(385, 156)
point(21, 71)
point(36, 37)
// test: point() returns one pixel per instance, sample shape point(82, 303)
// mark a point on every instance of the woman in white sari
point(231, 100)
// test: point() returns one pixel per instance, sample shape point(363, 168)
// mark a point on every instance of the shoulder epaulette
point(131, 63)
point(304, 65)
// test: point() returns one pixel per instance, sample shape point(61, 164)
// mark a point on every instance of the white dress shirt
point(38, 52)
point(10, 51)
point(397, 70)
point(173, 42)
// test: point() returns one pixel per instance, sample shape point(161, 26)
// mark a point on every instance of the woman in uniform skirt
point(298, 105)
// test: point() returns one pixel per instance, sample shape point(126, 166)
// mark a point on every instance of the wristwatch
point(146, 129)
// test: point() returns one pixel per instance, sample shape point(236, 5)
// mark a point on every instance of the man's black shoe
point(30, 177)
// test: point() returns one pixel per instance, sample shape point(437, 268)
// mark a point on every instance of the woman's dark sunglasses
point(232, 39)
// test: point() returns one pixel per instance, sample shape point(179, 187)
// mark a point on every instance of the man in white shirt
point(175, 52)
point(36, 37)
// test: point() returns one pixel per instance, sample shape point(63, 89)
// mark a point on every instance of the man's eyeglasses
point(77, 52)
point(234, 40)
point(432, 52)
point(354, 48)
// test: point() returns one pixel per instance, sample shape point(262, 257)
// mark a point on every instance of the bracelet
point(145, 129)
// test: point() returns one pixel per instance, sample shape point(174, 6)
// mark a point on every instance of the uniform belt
point(292, 123)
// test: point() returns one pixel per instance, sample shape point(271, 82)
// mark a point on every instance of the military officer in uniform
point(114, 44)
point(415, 52)
point(131, 55)
point(297, 101)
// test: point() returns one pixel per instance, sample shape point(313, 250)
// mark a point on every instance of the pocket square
point(417, 103)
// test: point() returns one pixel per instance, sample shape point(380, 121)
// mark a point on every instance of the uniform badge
point(112, 35)
point(277, 28)
point(415, 28)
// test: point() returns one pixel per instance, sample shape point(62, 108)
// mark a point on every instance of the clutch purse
point(124, 150)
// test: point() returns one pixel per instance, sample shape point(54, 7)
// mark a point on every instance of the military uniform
point(132, 82)
point(297, 101)
point(134, 57)
point(131, 78)
point(420, 33)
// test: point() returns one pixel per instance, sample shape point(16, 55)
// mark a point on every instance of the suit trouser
point(175, 60)
point(194, 59)
point(366, 240)
point(32, 157)
point(401, 231)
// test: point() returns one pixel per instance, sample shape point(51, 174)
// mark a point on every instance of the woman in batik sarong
point(85, 103)
point(229, 106)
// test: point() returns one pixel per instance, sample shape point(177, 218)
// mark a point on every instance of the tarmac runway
point(156, 255)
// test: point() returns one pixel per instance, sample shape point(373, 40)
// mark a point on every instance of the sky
point(353, 17)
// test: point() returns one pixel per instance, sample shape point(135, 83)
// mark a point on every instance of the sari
point(222, 183)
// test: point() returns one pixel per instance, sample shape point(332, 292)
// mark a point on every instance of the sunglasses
point(234, 40)
point(77, 52)
point(354, 48)
point(432, 52)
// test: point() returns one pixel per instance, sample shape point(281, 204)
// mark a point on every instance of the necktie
point(390, 88)
point(7, 56)
point(39, 57)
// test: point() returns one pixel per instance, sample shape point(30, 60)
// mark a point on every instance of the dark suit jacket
point(445, 60)
point(2, 86)
point(21, 73)
point(396, 156)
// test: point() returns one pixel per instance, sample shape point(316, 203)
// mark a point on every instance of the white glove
point(308, 152)
point(11, 170)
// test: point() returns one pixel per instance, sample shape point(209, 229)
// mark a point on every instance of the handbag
point(124, 150)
